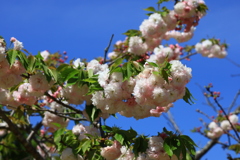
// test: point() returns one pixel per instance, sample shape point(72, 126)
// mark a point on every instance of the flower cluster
point(112, 152)
point(155, 151)
point(158, 27)
point(216, 130)
point(53, 121)
point(81, 131)
point(67, 154)
point(211, 48)
point(138, 97)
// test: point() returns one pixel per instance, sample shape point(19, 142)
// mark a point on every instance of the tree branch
point(233, 102)
point(107, 48)
point(12, 127)
point(234, 129)
point(34, 131)
point(63, 104)
point(206, 148)
point(170, 118)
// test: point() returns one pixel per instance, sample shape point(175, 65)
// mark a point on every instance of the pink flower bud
point(13, 39)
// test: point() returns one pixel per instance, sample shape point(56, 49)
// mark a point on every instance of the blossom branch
point(187, 56)
point(234, 129)
point(201, 112)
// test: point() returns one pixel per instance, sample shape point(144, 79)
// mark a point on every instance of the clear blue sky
point(83, 29)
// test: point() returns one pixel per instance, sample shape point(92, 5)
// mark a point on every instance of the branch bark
point(13, 128)
point(206, 148)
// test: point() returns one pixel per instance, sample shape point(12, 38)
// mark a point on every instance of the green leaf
point(39, 56)
point(188, 97)
point(11, 56)
point(62, 67)
point(140, 145)
point(167, 148)
point(235, 147)
point(90, 73)
point(115, 65)
point(57, 135)
point(161, 1)
point(92, 112)
point(23, 59)
point(132, 32)
point(202, 8)
point(31, 63)
point(57, 125)
point(151, 9)
point(106, 128)
point(188, 139)
point(152, 64)
point(72, 73)
point(164, 75)
point(54, 74)
point(86, 145)
point(47, 73)
point(119, 138)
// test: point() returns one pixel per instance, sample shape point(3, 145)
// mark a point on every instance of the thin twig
point(172, 121)
point(207, 98)
point(233, 62)
point(61, 114)
point(229, 134)
point(187, 56)
point(234, 129)
point(63, 104)
point(201, 112)
point(117, 59)
point(233, 102)
point(107, 48)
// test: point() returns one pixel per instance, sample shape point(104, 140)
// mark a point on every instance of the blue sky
point(83, 29)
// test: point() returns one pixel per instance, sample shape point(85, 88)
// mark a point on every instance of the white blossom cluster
point(71, 92)
point(162, 53)
point(147, 94)
point(81, 130)
point(208, 49)
point(216, 130)
point(27, 92)
point(155, 151)
point(158, 27)
point(187, 8)
point(67, 154)
point(53, 121)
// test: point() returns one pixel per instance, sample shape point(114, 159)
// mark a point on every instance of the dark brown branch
point(187, 56)
point(207, 98)
point(13, 128)
point(61, 114)
point(34, 131)
point(234, 129)
point(63, 104)
point(206, 148)
point(107, 48)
